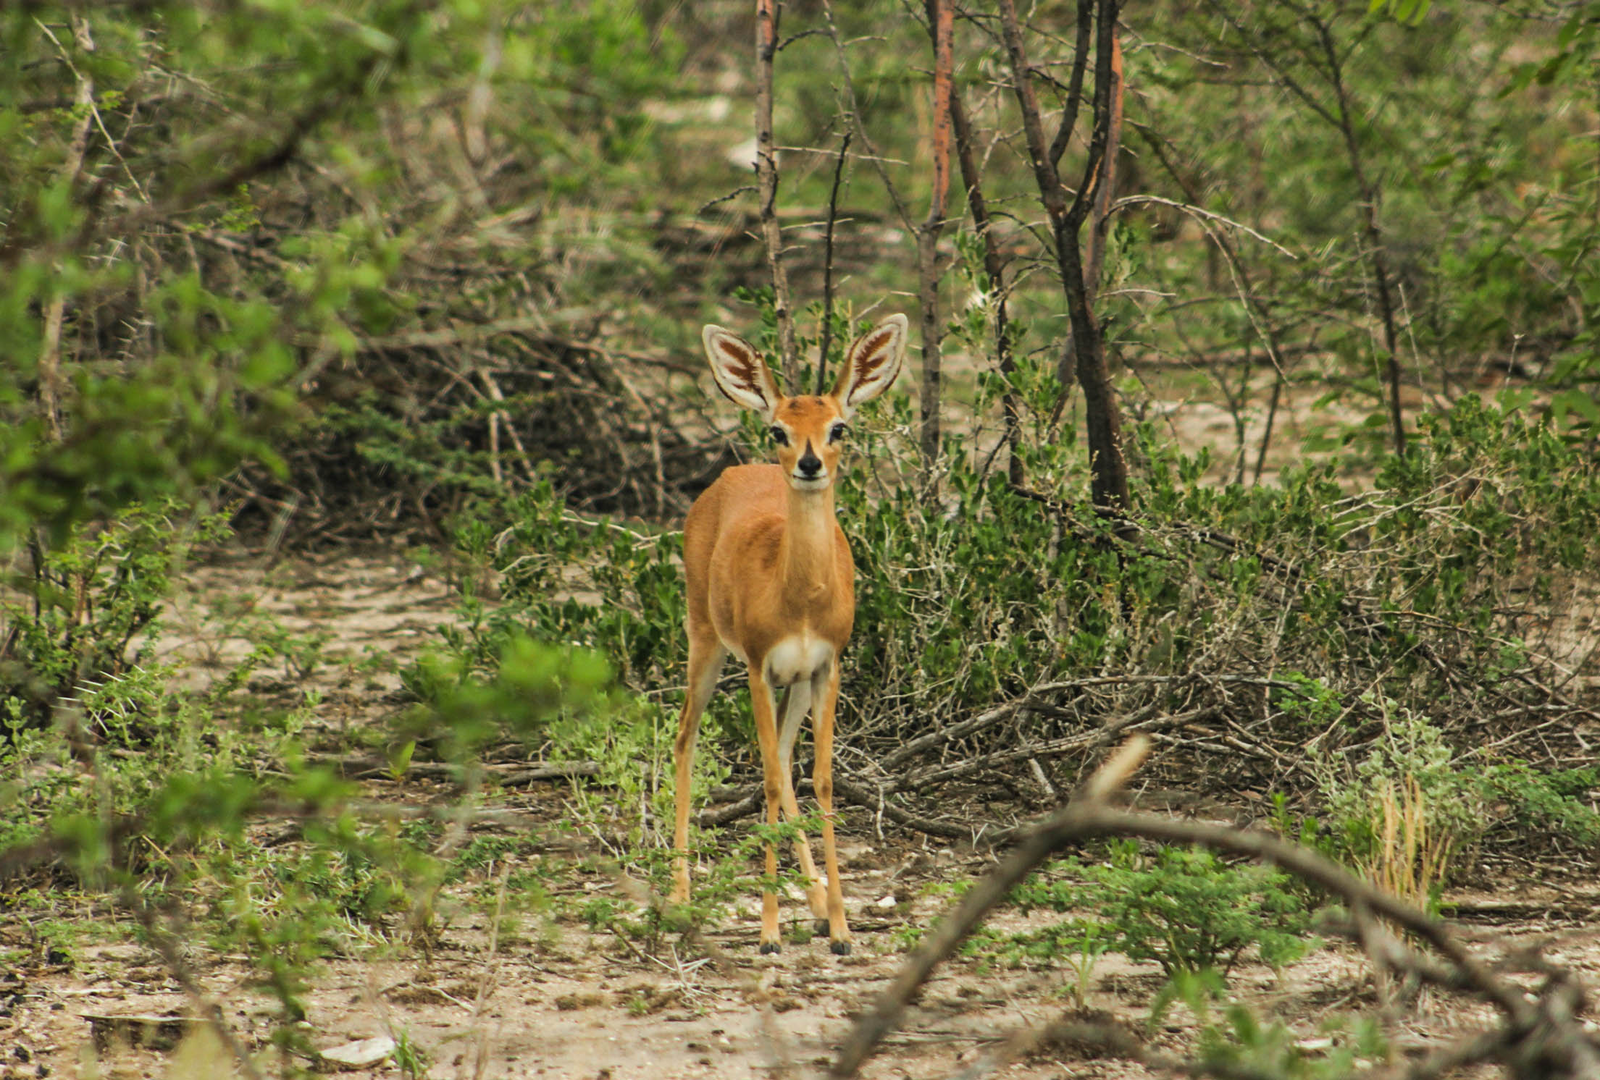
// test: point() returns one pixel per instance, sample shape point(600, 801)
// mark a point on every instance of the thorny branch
point(1341, 117)
point(1261, 317)
point(995, 270)
point(940, 28)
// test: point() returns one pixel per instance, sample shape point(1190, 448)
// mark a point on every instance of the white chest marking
point(798, 658)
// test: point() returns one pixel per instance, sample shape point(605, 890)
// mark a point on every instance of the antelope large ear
point(872, 363)
point(740, 372)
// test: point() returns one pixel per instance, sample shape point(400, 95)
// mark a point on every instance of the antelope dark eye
point(779, 436)
point(837, 432)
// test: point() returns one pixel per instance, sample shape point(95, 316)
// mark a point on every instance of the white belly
point(798, 659)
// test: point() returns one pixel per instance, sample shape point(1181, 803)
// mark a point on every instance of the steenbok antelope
point(771, 580)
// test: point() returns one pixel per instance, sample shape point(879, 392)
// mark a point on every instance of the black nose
point(810, 464)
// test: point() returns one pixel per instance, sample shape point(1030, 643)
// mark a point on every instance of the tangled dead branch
point(516, 394)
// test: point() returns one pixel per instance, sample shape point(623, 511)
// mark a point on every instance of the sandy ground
point(572, 1003)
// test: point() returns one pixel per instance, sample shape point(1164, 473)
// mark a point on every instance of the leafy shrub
point(1183, 908)
point(1407, 807)
point(1559, 803)
point(90, 603)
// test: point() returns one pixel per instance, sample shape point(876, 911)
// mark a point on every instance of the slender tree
point(767, 13)
point(1108, 467)
point(941, 19)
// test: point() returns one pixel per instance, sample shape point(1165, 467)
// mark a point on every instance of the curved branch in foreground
point(1539, 1037)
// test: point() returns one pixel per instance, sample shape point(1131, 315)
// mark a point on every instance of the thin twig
point(827, 265)
point(994, 270)
point(51, 383)
point(1201, 212)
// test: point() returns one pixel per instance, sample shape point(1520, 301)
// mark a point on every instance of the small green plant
point(1309, 699)
point(54, 942)
point(1409, 813)
point(1183, 908)
point(1238, 1043)
point(1088, 941)
point(1074, 944)
point(409, 1058)
point(301, 654)
point(480, 853)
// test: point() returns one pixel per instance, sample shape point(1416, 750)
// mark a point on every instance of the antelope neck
point(807, 557)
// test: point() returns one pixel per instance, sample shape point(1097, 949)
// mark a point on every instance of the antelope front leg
point(772, 781)
point(798, 704)
point(827, 697)
point(705, 664)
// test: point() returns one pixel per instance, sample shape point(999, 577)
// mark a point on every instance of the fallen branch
point(1541, 1038)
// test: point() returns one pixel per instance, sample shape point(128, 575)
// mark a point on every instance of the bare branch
point(1080, 62)
point(767, 12)
point(1039, 156)
point(1106, 176)
point(853, 117)
point(941, 16)
point(827, 265)
point(994, 270)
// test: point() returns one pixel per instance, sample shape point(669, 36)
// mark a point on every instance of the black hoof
point(768, 947)
point(821, 925)
point(840, 948)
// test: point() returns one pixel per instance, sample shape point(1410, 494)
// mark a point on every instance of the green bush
point(1558, 803)
point(1183, 908)
point(90, 605)
point(1409, 812)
